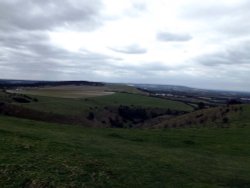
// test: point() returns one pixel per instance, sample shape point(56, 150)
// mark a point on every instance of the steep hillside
point(224, 116)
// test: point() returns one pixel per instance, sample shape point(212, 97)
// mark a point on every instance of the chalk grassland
point(73, 91)
point(35, 154)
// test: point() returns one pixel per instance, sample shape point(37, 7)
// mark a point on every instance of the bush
point(20, 100)
point(201, 105)
point(233, 101)
point(115, 123)
point(225, 120)
point(90, 116)
point(132, 113)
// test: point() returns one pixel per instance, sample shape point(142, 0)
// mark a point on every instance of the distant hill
point(30, 83)
point(190, 90)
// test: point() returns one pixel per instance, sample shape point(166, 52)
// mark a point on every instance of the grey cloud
point(61, 65)
point(172, 37)
point(233, 55)
point(145, 67)
point(47, 14)
point(140, 6)
point(229, 19)
point(214, 11)
point(34, 57)
point(145, 71)
point(137, 9)
point(25, 47)
point(132, 49)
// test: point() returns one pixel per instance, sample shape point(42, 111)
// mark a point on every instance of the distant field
point(65, 91)
point(35, 154)
point(75, 91)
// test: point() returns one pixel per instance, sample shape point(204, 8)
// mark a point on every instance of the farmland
point(74, 91)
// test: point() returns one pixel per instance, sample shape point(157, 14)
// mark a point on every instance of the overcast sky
point(203, 44)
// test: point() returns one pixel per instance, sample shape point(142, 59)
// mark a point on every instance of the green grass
point(49, 155)
point(141, 100)
point(79, 106)
point(60, 105)
point(244, 117)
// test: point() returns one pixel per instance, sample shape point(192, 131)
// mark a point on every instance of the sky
point(204, 44)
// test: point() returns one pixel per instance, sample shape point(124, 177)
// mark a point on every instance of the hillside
point(222, 116)
point(53, 142)
point(29, 83)
point(116, 110)
point(36, 154)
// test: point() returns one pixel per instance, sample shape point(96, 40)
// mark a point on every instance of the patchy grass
point(35, 154)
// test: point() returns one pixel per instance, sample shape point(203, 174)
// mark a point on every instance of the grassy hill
point(36, 154)
point(116, 110)
point(222, 116)
point(74, 106)
point(212, 152)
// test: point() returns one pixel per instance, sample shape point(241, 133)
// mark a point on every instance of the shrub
point(132, 113)
point(35, 99)
point(233, 101)
point(201, 105)
point(115, 123)
point(225, 120)
point(20, 100)
point(90, 116)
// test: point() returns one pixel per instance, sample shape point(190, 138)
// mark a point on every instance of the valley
point(61, 136)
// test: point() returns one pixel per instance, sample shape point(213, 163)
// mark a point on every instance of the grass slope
point(35, 154)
